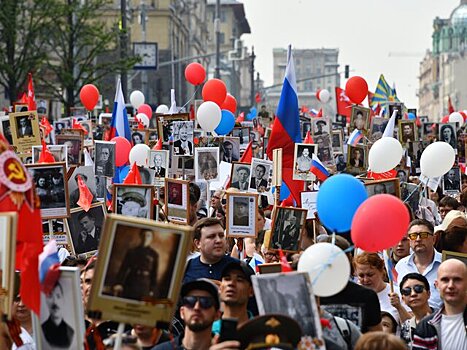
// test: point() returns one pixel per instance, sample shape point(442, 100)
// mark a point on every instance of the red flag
point(288, 202)
point(158, 145)
point(192, 112)
point(46, 156)
point(24, 99)
point(370, 98)
point(450, 106)
point(85, 195)
point(380, 176)
point(46, 124)
point(140, 123)
point(248, 154)
point(133, 177)
point(285, 266)
point(308, 139)
point(240, 118)
point(76, 125)
point(31, 98)
point(343, 103)
point(320, 113)
point(305, 109)
point(258, 97)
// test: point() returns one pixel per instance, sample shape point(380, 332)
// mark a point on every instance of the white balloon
point(209, 116)
point(143, 118)
point(162, 109)
point(385, 154)
point(136, 98)
point(328, 267)
point(324, 96)
point(456, 117)
point(139, 154)
point(437, 159)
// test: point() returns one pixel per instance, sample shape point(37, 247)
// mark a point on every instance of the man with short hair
point(89, 234)
point(446, 204)
point(451, 183)
point(133, 204)
point(228, 155)
point(424, 259)
point(304, 161)
point(183, 147)
point(160, 170)
point(446, 328)
point(401, 250)
point(104, 165)
point(257, 181)
point(209, 239)
point(216, 203)
point(320, 124)
point(243, 173)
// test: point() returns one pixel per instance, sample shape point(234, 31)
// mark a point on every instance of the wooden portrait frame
point(394, 181)
point(59, 235)
point(143, 132)
point(147, 310)
point(458, 178)
point(23, 143)
point(69, 277)
point(88, 139)
point(269, 268)
point(233, 176)
point(8, 221)
point(403, 140)
point(357, 169)
point(327, 128)
point(446, 254)
point(213, 151)
point(340, 135)
point(279, 219)
point(247, 230)
point(177, 213)
point(366, 115)
point(52, 213)
point(169, 118)
point(52, 148)
point(148, 197)
point(62, 138)
point(235, 142)
point(297, 173)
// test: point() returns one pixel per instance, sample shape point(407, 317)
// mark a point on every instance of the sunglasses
point(417, 289)
point(413, 236)
point(204, 302)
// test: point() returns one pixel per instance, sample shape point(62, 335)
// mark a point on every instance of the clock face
point(148, 54)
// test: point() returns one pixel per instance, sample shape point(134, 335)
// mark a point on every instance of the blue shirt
point(196, 269)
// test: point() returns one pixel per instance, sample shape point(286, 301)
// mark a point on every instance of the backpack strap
point(344, 330)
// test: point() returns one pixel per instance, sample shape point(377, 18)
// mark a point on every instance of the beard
point(198, 326)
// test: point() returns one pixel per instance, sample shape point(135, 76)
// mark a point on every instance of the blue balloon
point(411, 116)
point(252, 115)
point(121, 173)
point(338, 200)
point(227, 123)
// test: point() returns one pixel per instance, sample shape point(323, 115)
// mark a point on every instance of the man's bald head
point(452, 283)
point(452, 265)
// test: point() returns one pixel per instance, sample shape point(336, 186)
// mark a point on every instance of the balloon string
point(191, 98)
point(410, 194)
point(328, 263)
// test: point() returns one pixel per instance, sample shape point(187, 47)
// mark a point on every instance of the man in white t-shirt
point(446, 328)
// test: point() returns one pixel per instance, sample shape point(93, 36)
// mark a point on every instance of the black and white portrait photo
point(429, 131)
point(104, 158)
point(451, 180)
point(241, 214)
point(240, 176)
point(390, 186)
point(305, 127)
point(321, 126)
point(183, 138)
point(59, 152)
point(24, 127)
point(85, 228)
point(147, 175)
point(356, 157)
point(87, 175)
point(74, 148)
point(101, 186)
point(324, 143)
point(243, 135)
point(408, 131)
point(359, 118)
point(447, 133)
point(402, 174)
point(337, 141)
point(52, 189)
point(229, 149)
point(134, 200)
point(138, 137)
point(378, 124)
point(6, 129)
point(206, 163)
point(287, 228)
point(60, 125)
point(88, 136)
point(261, 175)
point(159, 162)
point(303, 157)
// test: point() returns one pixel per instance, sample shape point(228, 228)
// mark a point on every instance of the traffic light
point(347, 69)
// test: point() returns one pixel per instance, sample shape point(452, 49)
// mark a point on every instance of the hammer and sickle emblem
point(16, 172)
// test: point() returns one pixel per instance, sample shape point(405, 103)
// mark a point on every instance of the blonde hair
point(378, 341)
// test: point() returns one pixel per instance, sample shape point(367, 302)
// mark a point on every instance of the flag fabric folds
point(119, 125)
point(49, 262)
point(450, 106)
point(343, 103)
point(318, 169)
point(31, 97)
point(85, 195)
point(46, 125)
point(285, 266)
point(77, 125)
point(247, 156)
point(355, 137)
point(45, 156)
point(308, 139)
point(134, 176)
point(383, 94)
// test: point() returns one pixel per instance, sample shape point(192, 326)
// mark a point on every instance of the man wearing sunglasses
point(424, 260)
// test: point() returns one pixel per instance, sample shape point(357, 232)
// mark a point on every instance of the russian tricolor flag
point(49, 264)
point(318, 168)
point(355, 137)
point(119, 125)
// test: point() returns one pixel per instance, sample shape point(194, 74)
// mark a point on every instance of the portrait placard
point(25, 132)
point(305, 127)
point(139, 271)
point(360, 119)
point(321, 126)
point(177, 198)
point(147, 175)
point(309, 200)
point(243, 134)
point(452, 180)
point(229, 149)
point(261, 175)
point(139, 136)
point(303, 154)
point(133, 200)
point(287, 227)
point(64, 307)
point(74, 145)
point(378, 124)
point(8, 225)
point(408, 131)
point(338, 141)
point(430, 131)
point(390, 186)
point(159, 161)
point(206, 163)
point(446, 254)
point(357, 158)
point(183, 138)
point(240, 176)
point(165, 124)
point(242, 214)
point(447, 133)
point(88, 177)
point(59, 152)
point(55, 229)
point(5, 128)
point(52, 189)
point(392, 106)
point(104, 158)
point(88, 137)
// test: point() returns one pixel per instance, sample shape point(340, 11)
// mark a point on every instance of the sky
point(366, 32)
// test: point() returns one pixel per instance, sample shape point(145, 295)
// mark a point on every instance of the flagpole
point(277, 175)
point(51, 230)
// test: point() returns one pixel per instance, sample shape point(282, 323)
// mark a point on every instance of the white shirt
point(27, 339)
point(385, 304)
point(407, 265)
point(452, 331)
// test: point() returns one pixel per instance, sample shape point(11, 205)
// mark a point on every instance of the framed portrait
point(159, 161)
point(52, 189)
point(183, 138)
point(446, 254)
point(325, 154)
point(403, 174)
point(153, 137)
point(280, 293)
point(206, 140)
point(378, 124)
point(85, 228)
point(74, 145)
point(415, 150)
point(6, 128)
point(242, 214)
point(8, 223)
point(261, 175)
point(206, 163)
point(165, 124)
point(240, 176)
point(396, 106)
point(105, 119)
point(408, 131)
point(20, 107)
point(390, 186)
point(309, 200)
point(64, 307)
point(139, 271)
point(78, 112)
point(461, 140)
point(269, 268)
point(337, 141)
point(287, 227)
point(133, 200)
point(88, 137)
point(265, 147)
point(177, 199)
point(430, 131)
point(102, 184)
point(87, 175)
point(410, 193)
point(243, 135)
point(24, 128)
point(59, 153)
point(55, 229)
point(360, 119)
point(447, 133)
point(139, 136)
point(305, 127)
point(321, 126)
point(303, 154)
point(182, 166)
point(104, 158)
point(61, 124)
point(229, 149)
point(452, 180)
point(357, 158)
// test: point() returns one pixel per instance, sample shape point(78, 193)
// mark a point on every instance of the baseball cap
point(202, 284)
point(240, 266)
point(134, 197)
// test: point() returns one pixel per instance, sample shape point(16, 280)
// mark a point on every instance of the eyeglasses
point(413, 236)
point(417, 289)
point(204, 302)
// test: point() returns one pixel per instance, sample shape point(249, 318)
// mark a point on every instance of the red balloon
point(317, 94)
point(463, 115)
point(379, 223)
point(214, 90)
point(122, 150)
point(356, 89)
point(89, 95)
point(445, 119)
point(230, 104)
point(146, 109)
point(195, 73)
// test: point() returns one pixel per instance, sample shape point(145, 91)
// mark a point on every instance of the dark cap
point(239, 266)
point(202, 284)
point(321, 122)
point(270, 331)
point(134, 197)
